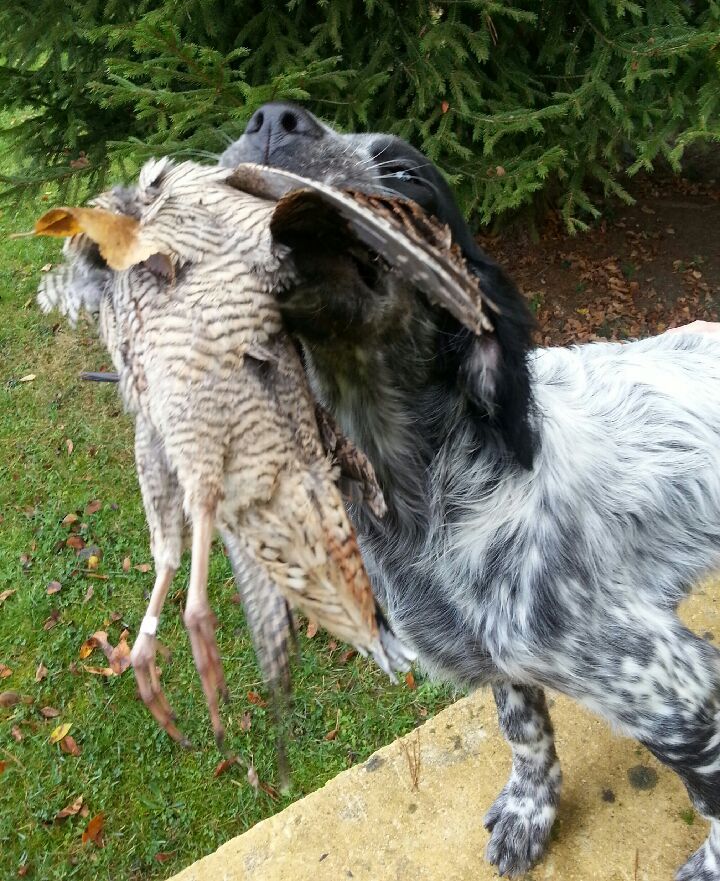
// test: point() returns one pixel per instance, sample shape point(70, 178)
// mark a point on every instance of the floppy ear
point(493, 367)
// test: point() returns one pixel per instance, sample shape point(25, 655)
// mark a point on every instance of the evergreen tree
point(517, 102)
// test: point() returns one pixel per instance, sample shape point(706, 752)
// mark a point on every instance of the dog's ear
point(493, 366)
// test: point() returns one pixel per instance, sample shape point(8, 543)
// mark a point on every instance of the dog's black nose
point(279, 125)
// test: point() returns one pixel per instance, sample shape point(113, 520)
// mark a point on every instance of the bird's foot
point(201, 624)
point(142, 658)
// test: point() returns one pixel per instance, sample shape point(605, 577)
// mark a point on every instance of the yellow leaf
point(116, 234)
point(60, 732)
point(29, 378)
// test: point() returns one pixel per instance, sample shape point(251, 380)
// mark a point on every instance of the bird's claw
point(147, 677)
point(201, 629)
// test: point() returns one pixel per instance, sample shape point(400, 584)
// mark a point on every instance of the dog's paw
point(519, 821)
point(704, 864)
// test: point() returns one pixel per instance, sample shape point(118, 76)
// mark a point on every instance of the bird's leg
point(200, 621)
point(143, 655)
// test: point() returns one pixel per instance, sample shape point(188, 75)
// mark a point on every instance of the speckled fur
point(547, 509)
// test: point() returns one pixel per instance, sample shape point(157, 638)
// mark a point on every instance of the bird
point(183, 271)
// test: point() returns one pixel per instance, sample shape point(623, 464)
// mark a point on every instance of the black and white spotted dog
point(548, 508)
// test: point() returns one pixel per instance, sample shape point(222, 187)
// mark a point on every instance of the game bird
point(185, 271)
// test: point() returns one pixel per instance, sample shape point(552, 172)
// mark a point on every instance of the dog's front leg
point(522, 816)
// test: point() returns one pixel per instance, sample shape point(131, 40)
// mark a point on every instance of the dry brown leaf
point(23, 870)
point(3, 765)
point(70, 446)
point(223, 766)
point(17, 734)
point(52, 620)
point(143, 567)
point(164, 856)
point(116, 234)
point(252, 777)
point(41, 672)
point(69, 745)
point(93, 507)
point(71, 809)
point(87, 648)
point(245, 721)
point(60, 732)
point(331, 735)
point(120, 656)
point(5, 594)
point(69, 519)
point(49, 712)
point(75, 542)
point(269, 790)
point(347, 656)
point(312, 629)
point(93, 830)
point(5, 671)
point(126, 564)
point(410, 680)
point(53, 587)
point(9, 699)
point(255, 698)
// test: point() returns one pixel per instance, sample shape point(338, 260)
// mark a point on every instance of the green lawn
point(156, 798)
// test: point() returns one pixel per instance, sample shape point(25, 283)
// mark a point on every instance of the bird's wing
point(416, 245)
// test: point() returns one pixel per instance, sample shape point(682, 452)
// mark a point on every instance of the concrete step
point(413, 811)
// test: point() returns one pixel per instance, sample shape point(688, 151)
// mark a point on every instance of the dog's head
point(493, 369)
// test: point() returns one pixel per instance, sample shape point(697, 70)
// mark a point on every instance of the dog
point(547, 508)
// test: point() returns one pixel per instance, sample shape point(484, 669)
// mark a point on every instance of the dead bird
point(184, 271)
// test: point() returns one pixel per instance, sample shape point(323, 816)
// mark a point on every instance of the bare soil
point(642, 269)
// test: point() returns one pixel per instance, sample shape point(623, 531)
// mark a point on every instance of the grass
point(162, 806)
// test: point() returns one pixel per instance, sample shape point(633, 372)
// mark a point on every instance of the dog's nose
point(279, 125)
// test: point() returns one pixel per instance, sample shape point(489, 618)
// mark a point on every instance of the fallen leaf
point(88, 594)
point(9, 699)
point(70, 446)
point(28, 378)
point(245, 721)
point(3, 765)
point(499, 171)
point(41, 672)
point(69, 519)
point(99, 671)
point(143, 567)
point(76, 542)
point(16, 733)
point(312, 629)
point(93, 562)
point(93, 831)
point(252, 777)
point(71, 809)
point(410, 680)
point(5, 594)
point(46, 268)
point(331, 735)
point(164, 856)
point(23, 870)
point(69, 745)
point(223, 766)
point(255, 698)
point(347, 656)
point(5, 671)
point(60, 732)
point(269, 790)
point(126, 564)
point(444, 106)
point(119, 657)
point(93, 507)
point(115, 616)
point(53, 587)
point(87, 648)
point(49, 712)
point(52, 620)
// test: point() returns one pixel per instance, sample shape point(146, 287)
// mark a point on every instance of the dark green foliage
point(515, 101)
